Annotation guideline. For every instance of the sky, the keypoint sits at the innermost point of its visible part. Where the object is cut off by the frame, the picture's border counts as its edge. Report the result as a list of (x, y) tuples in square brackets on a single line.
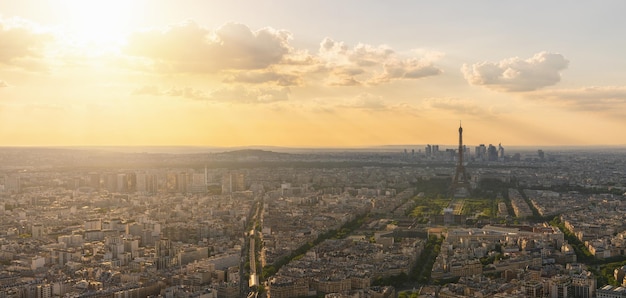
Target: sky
[(311, 73)]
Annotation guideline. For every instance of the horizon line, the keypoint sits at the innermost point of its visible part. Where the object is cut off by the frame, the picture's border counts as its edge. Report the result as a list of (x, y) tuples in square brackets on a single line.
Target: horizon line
[(305, 147)]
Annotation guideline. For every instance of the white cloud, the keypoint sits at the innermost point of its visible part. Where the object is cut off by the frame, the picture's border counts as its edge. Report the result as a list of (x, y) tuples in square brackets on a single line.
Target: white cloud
[(240, 94), (186, 92), (515, 74), (369, 102), (265, 57), (333, 52), (22, 45), (236, 94), (367, 55), (340, 80), (345, 76), (461, 107), (366, 64), (407, 69), (189, 48), (260, 77)]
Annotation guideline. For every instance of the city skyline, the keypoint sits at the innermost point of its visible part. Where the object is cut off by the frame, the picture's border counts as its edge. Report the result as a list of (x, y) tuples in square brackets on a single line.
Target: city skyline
[(310, 74)]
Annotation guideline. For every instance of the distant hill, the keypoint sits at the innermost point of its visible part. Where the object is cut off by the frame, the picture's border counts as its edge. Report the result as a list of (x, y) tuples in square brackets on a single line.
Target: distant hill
[(252, 154)]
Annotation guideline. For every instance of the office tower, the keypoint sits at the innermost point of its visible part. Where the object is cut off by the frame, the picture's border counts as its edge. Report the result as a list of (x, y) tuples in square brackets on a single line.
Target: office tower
[(152, 183), (481, 152), (232, 182), (171, 182), (492, 153), (110, 182), (183, 182), (164, 253), (141, 182), (198, 183), (145, 183), (460, 183), (239, 182), (122, 185), (94, 180), (131, 182)]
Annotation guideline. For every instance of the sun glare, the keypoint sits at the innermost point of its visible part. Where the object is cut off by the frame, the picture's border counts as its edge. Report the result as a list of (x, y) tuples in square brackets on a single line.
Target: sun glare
[(98, 23)]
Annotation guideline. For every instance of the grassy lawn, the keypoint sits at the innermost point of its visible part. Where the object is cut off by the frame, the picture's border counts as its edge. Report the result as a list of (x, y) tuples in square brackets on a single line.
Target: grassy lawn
[(488, 207), (484, 201), (425, 207)]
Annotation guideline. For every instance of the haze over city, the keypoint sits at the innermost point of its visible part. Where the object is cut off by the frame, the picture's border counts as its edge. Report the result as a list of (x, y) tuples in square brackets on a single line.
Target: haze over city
[(311, 74)]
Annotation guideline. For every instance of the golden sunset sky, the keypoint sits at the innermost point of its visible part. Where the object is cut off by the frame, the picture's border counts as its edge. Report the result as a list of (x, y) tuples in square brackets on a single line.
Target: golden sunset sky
[(311, 73)]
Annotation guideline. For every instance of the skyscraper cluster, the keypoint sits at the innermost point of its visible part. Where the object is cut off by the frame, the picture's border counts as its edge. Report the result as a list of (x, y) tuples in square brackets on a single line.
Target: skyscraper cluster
[(481, 153), (490, 153)]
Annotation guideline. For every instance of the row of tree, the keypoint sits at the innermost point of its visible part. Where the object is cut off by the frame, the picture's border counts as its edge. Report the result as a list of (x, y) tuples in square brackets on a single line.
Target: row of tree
[(271, 269)]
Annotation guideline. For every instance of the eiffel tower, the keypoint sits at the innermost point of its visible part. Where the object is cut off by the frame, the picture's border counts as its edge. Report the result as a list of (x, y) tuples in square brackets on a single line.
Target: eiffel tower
[(460, 187)]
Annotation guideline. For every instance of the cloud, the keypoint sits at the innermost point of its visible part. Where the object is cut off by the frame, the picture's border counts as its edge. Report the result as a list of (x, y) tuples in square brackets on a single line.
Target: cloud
[(240, 94), (3, 84), (186, 92), (265, 57), (600, 99), (236, 94), (338, 53), (343, 81), (367, 55), (459, 107), (517, 75), (333, 52), (366, 64), (364, 101), (189, 48), (300, 58), (260, 77), (408, 69), (345, 76), (369, 101), (22, 45)]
